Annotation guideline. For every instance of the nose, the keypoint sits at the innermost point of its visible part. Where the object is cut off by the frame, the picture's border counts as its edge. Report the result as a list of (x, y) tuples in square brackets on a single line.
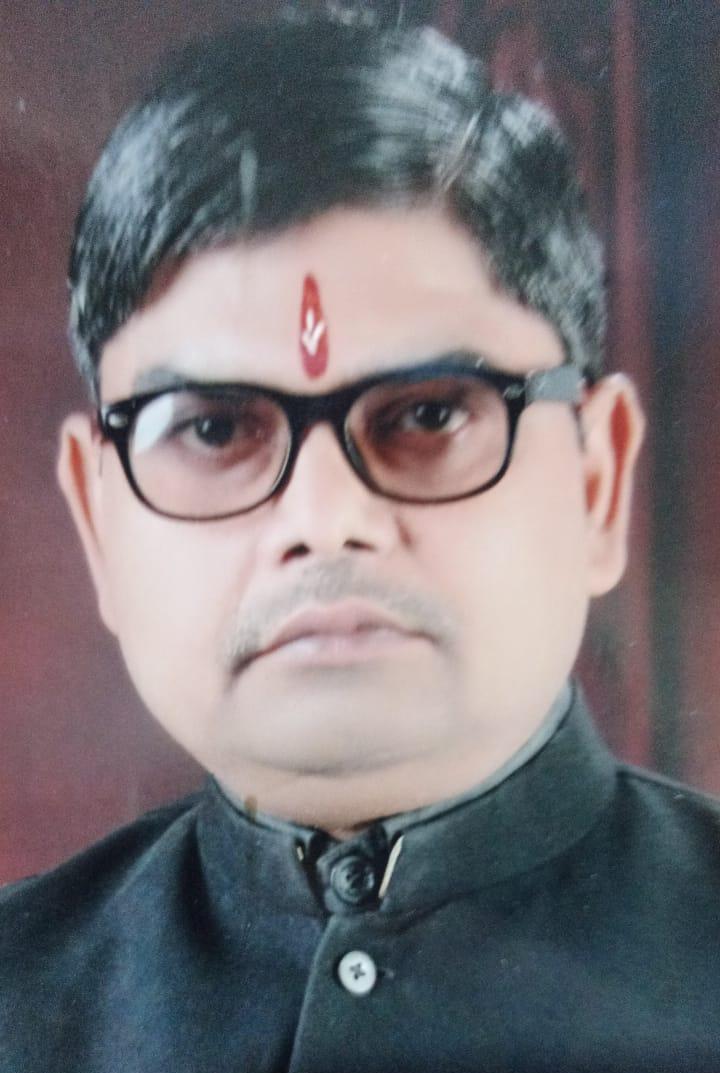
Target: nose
[(325, 509)]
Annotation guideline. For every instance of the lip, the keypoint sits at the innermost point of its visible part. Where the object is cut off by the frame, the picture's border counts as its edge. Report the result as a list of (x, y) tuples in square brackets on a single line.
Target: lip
[(337, 622)]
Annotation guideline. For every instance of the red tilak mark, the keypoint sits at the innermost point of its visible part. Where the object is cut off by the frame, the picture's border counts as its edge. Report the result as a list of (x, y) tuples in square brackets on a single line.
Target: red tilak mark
[(313, 330)]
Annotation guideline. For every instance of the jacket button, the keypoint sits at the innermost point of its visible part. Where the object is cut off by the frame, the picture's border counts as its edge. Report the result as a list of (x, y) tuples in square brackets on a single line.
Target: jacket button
[(357, 972), (353, 879)]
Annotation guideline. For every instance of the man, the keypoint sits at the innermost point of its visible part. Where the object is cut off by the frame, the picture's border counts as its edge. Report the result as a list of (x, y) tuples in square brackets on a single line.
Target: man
[(354, 476)]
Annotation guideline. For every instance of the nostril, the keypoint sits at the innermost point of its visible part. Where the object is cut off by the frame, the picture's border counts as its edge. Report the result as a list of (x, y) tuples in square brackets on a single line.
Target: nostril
[(297, 551), (300, 550)]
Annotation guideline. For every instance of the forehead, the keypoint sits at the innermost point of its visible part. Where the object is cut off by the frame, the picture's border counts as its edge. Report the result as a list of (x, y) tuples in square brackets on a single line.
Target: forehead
[(396, 286)]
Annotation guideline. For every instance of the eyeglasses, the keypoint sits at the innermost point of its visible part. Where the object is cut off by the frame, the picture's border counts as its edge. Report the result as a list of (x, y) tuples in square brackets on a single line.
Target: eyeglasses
[(431, 433)]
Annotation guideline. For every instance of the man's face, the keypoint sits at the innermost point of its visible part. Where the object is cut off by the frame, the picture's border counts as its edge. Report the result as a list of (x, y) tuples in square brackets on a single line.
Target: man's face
[(497, 585)]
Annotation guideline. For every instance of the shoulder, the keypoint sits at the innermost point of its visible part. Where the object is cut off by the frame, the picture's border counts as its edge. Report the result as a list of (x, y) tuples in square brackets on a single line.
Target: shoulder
[(41, 908), (669, 797), (670, 825)]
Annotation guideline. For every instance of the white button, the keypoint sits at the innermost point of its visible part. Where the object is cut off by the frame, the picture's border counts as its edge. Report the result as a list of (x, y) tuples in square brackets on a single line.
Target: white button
[(357, 972)]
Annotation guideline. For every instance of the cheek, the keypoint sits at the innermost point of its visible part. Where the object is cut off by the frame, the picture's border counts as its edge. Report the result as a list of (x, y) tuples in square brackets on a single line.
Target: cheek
[(172, 588), (512, 561)]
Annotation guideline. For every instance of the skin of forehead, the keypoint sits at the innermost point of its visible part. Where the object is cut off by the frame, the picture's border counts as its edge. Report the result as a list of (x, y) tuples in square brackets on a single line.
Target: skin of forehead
[(448, 271)]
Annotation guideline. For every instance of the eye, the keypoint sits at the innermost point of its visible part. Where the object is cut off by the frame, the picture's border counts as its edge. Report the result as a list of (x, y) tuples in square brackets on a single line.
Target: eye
[(201, 428), (217, 430), (228, 436), (435, 416)]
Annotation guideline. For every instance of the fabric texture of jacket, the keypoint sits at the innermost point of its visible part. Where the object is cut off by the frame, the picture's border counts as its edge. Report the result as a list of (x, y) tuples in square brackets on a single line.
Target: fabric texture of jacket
[(568, 919)]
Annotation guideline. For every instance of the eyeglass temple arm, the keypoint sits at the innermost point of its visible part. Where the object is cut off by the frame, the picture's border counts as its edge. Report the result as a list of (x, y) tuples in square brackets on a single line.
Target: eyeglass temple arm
[(560, 384)]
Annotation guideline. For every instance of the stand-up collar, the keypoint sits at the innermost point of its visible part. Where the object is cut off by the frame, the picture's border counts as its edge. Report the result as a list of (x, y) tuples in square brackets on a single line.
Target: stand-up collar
[(531, 811)]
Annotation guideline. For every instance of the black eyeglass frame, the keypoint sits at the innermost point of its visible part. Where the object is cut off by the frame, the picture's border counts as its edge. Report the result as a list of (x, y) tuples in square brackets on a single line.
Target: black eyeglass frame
[(562, 383)]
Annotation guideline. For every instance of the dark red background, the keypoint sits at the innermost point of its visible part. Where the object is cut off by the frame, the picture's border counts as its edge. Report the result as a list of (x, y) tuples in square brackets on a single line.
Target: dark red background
[(636, 85)]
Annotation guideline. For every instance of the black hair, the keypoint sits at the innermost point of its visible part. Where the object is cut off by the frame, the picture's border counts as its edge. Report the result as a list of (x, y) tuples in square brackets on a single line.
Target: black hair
[(271, 124)]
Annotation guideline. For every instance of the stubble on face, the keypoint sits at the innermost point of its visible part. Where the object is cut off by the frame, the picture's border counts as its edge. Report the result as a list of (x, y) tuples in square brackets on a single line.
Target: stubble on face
[(325, 582)]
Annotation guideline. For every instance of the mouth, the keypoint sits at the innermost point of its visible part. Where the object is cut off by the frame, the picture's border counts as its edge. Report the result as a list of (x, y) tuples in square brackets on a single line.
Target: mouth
[(340, 634)]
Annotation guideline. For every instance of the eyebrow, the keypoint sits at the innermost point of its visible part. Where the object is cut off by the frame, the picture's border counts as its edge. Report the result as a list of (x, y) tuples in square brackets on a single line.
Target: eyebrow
[(157, 378), (161, 377)]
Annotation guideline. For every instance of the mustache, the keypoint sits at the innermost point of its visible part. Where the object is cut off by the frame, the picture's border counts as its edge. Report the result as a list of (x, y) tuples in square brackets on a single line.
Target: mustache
[(330, 582)]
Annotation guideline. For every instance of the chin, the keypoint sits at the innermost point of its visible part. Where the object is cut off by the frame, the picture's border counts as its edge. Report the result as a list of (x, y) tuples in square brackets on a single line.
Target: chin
[(322, 736), (327, 751), (336, 722)]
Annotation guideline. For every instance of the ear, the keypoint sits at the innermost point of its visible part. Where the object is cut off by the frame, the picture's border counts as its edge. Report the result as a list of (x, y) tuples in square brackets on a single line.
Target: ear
[(613, 426), (80, 478)]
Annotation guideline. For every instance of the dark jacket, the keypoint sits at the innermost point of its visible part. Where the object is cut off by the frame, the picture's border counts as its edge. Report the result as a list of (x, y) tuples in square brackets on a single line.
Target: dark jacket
[(566, 920)]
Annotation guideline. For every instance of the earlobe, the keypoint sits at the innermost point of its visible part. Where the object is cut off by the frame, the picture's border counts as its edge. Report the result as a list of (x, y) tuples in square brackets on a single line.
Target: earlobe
[(613, 426), (79, 476)]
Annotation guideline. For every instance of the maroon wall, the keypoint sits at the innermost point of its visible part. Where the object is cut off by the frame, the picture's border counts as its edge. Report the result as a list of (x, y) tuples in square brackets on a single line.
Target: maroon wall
[(78, 755)]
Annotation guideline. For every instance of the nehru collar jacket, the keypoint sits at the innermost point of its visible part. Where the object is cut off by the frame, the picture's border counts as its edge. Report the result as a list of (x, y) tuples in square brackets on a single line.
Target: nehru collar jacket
[(563, 918)]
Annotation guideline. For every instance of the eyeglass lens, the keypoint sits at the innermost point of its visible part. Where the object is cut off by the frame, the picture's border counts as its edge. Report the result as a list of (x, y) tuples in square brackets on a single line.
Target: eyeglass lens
[(200, 455)]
